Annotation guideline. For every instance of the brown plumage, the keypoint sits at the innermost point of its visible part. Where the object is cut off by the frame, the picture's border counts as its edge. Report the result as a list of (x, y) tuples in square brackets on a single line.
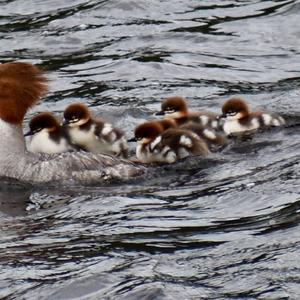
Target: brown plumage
[(238, 119), (172, 138), (175, 103), (93, 134), (77, 111), (149, 130), (167, 123), (235, 105), (166, 146), (21, 86), (44, 120), (213, 139)]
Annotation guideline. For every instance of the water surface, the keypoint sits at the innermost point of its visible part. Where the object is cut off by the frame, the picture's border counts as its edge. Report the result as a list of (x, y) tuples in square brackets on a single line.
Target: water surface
[(226, 227)]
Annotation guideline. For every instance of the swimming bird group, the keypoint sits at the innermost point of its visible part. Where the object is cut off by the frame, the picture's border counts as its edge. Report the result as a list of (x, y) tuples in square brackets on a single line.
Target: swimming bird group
[(183, 132), (89, 149)]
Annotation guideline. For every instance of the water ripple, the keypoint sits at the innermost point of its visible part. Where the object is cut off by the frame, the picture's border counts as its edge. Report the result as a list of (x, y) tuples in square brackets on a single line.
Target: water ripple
[(225, 227)]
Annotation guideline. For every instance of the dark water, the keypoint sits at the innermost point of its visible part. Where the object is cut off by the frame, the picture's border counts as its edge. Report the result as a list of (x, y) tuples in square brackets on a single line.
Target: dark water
[(222, 228)]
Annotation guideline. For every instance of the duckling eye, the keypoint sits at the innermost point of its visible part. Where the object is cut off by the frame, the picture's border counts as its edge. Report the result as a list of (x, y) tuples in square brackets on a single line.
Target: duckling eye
[(74, 119), (37, 130), (231, 113), (170, 110)]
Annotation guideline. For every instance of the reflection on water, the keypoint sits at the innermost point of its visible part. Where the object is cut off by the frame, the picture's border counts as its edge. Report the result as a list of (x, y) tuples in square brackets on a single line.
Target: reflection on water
[(226, 227)]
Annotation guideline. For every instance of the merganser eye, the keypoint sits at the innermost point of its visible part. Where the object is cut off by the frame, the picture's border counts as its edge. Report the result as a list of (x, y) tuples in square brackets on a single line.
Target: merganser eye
[(37, 130), (231, 113), (169, 110)]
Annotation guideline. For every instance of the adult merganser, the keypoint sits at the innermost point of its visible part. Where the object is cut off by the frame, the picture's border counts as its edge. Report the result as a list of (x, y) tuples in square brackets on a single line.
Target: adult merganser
[(21, 86)]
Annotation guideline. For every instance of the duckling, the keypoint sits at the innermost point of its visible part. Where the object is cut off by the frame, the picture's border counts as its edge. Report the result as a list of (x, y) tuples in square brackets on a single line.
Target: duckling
[(176, 108), (238, 119), (47, 135), (94, 135), (166, 146)]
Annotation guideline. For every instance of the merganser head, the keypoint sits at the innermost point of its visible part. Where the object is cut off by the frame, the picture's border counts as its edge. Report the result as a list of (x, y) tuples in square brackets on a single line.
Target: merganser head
[(147, 132), (235, 109), (43, 121), (174, 107), (21, 86), (76, 114)]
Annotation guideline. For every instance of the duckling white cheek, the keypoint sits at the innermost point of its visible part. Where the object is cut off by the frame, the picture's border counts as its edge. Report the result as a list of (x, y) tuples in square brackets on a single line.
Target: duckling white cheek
[(174, 115), (72, 124), (235, 117), (144, 141)]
